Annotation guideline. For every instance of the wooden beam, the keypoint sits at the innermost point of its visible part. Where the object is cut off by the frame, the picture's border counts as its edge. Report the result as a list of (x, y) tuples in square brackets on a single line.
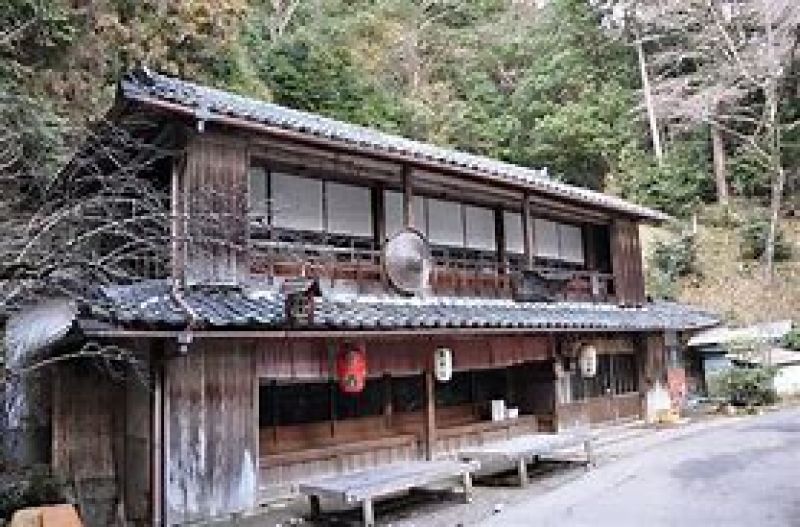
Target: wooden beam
[(408, 197), (399, 334), (527, 232), (430, 409)]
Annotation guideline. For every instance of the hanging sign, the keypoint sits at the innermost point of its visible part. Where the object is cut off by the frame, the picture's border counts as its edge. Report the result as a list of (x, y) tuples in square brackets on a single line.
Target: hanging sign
[(351, 368), (443, 364), (588, 360)]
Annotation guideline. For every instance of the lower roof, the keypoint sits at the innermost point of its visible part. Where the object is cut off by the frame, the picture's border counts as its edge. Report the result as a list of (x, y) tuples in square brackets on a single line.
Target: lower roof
[(151, 305)]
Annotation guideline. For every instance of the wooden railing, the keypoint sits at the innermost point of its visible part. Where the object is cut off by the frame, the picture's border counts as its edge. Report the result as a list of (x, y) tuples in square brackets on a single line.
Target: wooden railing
[(357, 263)]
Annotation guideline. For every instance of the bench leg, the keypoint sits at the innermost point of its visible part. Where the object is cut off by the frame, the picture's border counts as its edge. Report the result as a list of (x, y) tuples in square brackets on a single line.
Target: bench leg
[(522, 470), (368, 513), (587, 447), (466, 478), (313, 502)]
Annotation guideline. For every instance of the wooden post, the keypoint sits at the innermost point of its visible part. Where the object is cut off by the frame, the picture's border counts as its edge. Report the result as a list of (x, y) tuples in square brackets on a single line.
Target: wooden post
[(500, 243), (527, 232), (388, 408), (368, 512), (466, 479), (164, 460), (313, 502), (378, 216), (408, 198), (522, 471), (430, 410)]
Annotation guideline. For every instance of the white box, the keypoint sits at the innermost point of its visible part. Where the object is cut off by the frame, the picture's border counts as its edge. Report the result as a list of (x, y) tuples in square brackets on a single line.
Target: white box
[(498, 409)]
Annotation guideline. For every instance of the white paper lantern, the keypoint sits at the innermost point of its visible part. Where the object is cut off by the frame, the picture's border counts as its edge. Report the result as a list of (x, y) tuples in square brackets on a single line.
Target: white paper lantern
[(443, 364), (588, 360)]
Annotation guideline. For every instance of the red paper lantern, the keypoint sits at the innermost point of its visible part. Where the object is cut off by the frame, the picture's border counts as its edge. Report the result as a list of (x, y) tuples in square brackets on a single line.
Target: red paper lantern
[(351, 368)]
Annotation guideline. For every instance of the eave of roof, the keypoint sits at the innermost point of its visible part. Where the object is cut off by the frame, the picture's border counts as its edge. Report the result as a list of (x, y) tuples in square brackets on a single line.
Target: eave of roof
[(213, 105), (150, 306)]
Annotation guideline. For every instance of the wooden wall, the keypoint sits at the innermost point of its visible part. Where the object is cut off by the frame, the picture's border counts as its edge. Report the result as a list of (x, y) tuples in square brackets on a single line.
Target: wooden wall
[(626, 262), (212, 197), (210, 427), (309, 359), (101, 442)]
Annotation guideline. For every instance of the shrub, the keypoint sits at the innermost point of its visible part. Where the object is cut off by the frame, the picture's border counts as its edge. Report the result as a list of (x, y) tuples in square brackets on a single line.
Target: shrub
[(753, 240), (792, 339), (745, 386), (670, 260)]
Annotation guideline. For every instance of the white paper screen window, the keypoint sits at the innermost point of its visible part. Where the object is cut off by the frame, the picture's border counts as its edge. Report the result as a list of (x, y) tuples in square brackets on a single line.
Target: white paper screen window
[(393, 205), (349, 209), (445, 224), (258, 190), (480, 228), (512, 229), (571, 243), (296, 202), (546, 239)]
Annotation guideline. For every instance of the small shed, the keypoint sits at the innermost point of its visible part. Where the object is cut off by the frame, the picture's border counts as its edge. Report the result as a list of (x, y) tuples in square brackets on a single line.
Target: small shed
[(711, 353)]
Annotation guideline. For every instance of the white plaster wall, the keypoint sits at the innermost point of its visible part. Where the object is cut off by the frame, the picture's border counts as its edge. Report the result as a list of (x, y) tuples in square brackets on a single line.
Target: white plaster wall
[(787, 380)]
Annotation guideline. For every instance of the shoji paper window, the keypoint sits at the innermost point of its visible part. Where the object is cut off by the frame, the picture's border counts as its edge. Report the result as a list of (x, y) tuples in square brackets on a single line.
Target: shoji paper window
[(349, 209), (571, 243), (393, 204), (296, 202), (258, 190), (479, 228), (445, 224), (546, 239), (512, 228)]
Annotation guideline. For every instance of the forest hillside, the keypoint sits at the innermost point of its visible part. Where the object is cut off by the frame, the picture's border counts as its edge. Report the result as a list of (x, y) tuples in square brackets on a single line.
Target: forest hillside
[(610, 95)]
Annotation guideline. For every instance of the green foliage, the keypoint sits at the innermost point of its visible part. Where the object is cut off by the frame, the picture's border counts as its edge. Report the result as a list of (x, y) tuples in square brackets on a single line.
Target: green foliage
[(748, 175), (304, 74), (745, 386), (678, 186), (753, 235), (792, 339), (670, 260)]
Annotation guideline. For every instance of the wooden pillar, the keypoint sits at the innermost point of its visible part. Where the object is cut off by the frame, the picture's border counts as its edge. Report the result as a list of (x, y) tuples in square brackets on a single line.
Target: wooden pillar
[(527, 231), (430, 410), (388, 407), (157, 451), (408, 197), (500, 235), (378, 216)]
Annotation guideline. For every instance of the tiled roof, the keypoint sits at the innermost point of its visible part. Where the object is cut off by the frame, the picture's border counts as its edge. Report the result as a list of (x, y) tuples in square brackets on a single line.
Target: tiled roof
[(151, 305), (209, 103)]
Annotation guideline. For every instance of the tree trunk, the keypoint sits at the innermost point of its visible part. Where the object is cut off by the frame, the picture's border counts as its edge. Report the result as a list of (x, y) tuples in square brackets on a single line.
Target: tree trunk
[(720, 171), (774, 218), (648, 102)]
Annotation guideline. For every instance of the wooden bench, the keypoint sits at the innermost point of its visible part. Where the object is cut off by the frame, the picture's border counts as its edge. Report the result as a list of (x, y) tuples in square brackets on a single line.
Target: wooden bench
[(365, 486), (519, 451)]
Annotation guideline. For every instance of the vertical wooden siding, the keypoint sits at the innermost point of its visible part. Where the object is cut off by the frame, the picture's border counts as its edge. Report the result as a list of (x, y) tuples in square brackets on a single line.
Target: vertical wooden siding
[(101, 442), (626, 261), (214, 201), (211, 438)]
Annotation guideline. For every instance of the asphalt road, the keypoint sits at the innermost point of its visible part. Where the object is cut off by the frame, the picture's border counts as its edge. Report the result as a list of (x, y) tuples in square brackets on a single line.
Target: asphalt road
[(742, 474)]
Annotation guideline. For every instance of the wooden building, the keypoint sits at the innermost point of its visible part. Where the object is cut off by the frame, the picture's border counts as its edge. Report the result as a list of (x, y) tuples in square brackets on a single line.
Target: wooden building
[(277, 271)]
